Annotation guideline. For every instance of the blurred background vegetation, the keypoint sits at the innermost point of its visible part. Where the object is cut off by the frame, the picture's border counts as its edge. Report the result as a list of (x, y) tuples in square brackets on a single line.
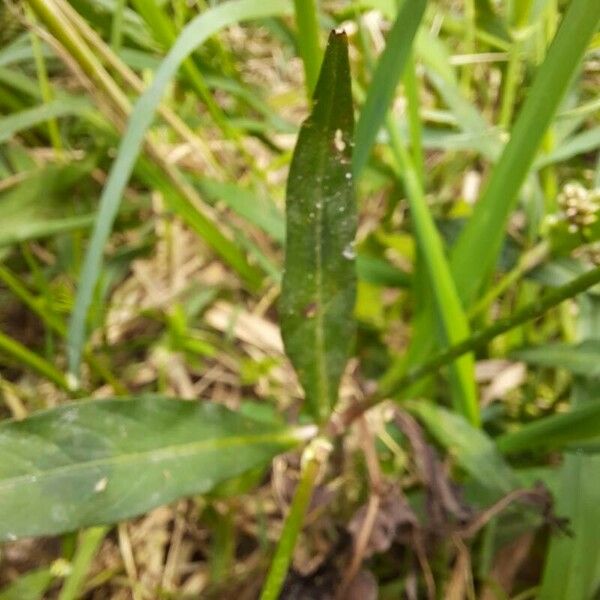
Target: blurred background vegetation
[(184, 298)]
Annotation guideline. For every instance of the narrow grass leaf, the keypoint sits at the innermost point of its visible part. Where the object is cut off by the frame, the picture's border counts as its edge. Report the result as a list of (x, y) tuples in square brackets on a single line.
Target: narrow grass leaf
[(555, 431), (584, 142), (307, 21), (572, 566), (386, 77), (257, 210), (454, 326), (581, 359), (319, 283), (194, 34), (102, 461), (479, 244), (31, 360), (380, 272), (31, 117), (46, 228), (87, 548)]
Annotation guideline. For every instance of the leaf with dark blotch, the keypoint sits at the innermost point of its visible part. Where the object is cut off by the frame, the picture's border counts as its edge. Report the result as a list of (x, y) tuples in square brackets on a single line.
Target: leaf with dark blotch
[(106, 460), (319, 283)]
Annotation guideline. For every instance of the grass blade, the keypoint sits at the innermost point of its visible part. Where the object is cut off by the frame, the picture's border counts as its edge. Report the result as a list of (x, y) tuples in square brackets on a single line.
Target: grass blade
[(307, 20), (31, 117), (478, 246), (29, 586), (73, 466), (386, 77), (451, 316), (195, 33), (582, 359), (556, 431), (319, 284), (87, 548), (33, 361)]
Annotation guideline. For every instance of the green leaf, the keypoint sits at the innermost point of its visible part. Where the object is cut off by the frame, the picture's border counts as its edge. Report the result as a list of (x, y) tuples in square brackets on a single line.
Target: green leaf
[(102, 461), (307, 20), (386, 78), (581, 359), (555, 431), (572, 565), (472, 449), (31, 117), (319, 283), (453, 323)]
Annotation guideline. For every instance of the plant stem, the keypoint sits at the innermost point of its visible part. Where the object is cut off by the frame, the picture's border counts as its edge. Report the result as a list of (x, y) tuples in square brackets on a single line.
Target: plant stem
[(394, 383), (314, 456)]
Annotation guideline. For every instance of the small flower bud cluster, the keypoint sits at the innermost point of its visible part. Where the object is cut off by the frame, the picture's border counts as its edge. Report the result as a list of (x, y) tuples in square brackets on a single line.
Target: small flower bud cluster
[(580, 207)]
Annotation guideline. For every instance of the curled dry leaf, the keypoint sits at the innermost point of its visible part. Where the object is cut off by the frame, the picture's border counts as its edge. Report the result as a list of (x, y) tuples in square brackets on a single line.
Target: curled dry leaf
[(443, 497)]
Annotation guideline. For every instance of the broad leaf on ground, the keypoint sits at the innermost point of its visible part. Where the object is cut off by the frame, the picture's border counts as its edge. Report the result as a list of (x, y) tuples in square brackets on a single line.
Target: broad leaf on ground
[(102, 461)]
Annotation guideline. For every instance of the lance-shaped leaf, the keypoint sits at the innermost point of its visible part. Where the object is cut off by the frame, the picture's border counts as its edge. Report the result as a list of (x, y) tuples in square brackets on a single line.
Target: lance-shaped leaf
[(105, 460), (319, 283)]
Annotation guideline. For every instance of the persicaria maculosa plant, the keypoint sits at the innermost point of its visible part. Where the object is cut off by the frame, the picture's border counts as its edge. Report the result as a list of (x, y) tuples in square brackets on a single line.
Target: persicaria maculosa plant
[(416, 297)]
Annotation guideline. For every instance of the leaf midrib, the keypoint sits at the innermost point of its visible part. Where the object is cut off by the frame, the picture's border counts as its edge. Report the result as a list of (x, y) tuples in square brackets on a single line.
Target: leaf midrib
[(323, 400)]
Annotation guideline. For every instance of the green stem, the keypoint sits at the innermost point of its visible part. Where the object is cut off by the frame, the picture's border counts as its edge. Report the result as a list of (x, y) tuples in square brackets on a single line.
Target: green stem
[(307, 20), (314, 455), (395, 382)]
